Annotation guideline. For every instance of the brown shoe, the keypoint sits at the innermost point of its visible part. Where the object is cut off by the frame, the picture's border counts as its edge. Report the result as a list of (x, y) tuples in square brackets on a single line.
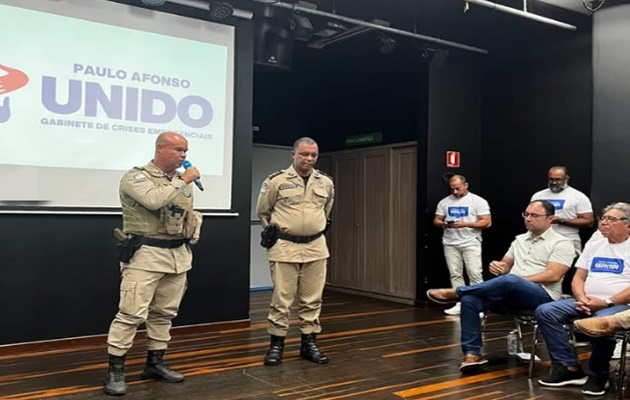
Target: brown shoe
[(471, 363), (442, 296), (594, 327)]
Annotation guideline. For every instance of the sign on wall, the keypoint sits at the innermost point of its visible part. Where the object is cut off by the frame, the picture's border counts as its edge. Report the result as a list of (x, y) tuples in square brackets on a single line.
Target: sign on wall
[(452, 159)]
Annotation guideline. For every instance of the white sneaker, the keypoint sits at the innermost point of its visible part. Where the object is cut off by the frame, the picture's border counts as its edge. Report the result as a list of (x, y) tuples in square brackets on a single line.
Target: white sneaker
[(455, 310)]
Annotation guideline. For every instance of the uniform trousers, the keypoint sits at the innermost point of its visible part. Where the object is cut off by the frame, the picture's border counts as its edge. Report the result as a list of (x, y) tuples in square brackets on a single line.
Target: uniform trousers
[(146, 297), (302, 280)]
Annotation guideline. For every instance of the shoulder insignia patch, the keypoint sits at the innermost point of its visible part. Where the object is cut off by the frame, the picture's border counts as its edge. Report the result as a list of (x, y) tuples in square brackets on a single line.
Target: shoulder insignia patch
[(277, 173), (140, 177), (264, 188)]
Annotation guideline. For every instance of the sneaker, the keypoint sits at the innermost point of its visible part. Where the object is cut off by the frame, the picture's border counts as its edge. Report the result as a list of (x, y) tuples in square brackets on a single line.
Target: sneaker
[(455, 310), (471, 363), (596, 385), (561, 376)]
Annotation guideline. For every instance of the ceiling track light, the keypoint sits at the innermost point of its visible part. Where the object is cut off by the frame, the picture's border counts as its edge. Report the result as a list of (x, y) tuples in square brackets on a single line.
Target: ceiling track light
[(386, 45), (153, 3), (220, 10)]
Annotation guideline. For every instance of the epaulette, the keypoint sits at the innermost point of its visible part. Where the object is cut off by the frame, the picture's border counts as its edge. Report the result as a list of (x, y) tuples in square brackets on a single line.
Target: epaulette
[(270, 177), (325, 174)]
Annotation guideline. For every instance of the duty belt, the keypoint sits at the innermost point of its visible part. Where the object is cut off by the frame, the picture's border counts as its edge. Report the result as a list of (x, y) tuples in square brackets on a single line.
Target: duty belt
[(298, 239), (162, 243)]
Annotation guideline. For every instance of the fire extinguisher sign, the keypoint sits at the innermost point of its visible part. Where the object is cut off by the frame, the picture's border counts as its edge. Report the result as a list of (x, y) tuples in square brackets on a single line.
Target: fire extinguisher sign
[(452, 159)]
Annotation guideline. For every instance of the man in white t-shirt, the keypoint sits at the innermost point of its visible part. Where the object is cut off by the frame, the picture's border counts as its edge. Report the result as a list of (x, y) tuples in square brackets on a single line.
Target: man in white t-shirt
[(462, 216), (574, 210), (601, 287)]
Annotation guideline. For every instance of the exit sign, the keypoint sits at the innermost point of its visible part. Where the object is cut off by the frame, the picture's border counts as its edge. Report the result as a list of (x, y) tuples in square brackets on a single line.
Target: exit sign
[(365, 139)]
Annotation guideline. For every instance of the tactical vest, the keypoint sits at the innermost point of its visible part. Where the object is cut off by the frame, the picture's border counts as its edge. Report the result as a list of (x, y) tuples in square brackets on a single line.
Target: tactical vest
[(142, 221)]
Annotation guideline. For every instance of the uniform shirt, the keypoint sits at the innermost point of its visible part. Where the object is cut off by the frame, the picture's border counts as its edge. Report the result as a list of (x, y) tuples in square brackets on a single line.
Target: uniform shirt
[(608, 266), (568, 203), (467, 208), (531, 256), (298, 209), (137, 190)]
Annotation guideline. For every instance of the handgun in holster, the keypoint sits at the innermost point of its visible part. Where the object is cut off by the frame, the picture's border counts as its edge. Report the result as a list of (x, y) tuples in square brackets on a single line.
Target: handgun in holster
[(127, 245), (328, 223), (269, 236)]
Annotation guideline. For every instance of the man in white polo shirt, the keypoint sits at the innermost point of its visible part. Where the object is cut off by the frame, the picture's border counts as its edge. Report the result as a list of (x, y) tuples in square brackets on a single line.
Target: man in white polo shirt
[(462, 215), (574, 210), (529, 275)]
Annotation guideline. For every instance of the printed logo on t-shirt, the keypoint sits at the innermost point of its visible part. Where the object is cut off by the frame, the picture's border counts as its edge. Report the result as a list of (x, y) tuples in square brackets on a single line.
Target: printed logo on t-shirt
[(605, 264), (457, 212), (557, 203)]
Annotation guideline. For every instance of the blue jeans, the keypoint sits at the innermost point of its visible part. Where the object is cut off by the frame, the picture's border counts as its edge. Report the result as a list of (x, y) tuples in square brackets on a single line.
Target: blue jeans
[(552, 316), (506, 291)]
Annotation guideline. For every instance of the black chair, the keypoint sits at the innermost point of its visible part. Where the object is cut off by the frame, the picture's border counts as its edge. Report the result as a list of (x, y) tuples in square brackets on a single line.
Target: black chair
[(527, 318), (620, 375)]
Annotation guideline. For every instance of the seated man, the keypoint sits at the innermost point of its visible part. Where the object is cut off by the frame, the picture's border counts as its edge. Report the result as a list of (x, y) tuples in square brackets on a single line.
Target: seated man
[(530, 274), (601, 286)]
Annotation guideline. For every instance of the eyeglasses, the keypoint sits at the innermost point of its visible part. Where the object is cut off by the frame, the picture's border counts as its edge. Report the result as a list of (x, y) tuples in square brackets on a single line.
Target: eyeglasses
[(557, 179), (525, 214), (611, 219)]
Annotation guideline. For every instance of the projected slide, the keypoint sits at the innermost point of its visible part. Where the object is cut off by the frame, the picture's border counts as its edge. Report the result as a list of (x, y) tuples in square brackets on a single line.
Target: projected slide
[(85, 88)]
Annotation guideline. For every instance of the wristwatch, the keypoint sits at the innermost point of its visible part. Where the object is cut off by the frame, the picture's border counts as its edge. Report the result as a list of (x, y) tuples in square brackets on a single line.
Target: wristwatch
[(609, 302), (562, 221)]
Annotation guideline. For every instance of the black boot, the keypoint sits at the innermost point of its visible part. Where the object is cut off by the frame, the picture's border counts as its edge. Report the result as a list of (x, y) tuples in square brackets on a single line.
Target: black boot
[(276, 347), (310, 351), (114, 382), (156, 369)]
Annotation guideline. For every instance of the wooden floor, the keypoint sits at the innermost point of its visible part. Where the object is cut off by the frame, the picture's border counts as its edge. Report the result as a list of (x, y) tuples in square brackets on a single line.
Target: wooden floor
[(378, 350)]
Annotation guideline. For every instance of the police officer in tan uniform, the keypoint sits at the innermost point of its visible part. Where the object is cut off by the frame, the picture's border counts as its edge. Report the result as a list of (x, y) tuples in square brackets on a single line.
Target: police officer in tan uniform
[(294, 205), (159, 221)]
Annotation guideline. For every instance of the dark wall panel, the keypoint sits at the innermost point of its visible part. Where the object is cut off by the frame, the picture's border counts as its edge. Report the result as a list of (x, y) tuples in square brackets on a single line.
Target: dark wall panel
[(611, 116), (536, 114), (454, 107), (342, 90)]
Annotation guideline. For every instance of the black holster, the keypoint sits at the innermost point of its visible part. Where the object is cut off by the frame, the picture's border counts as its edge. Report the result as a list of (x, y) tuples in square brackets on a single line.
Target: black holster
[(127, 248), (269, 236)]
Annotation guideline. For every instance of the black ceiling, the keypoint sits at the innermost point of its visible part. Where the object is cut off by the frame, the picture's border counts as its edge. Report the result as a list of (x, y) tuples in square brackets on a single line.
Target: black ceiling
[(446, 19)]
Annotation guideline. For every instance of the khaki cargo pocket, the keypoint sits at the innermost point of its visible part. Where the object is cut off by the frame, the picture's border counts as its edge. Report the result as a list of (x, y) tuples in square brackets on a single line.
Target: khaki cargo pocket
[(321, 196), (128, 297)]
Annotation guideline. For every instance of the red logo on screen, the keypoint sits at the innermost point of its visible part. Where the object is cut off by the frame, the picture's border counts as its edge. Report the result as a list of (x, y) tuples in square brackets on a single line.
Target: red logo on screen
[(12, 80)]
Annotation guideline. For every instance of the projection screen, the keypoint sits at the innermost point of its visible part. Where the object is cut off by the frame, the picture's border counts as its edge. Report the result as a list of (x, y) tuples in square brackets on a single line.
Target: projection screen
[(87, 85)]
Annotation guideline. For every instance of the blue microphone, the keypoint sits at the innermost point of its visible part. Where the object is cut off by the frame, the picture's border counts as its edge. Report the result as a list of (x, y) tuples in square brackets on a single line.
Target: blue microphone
[(186, 164)]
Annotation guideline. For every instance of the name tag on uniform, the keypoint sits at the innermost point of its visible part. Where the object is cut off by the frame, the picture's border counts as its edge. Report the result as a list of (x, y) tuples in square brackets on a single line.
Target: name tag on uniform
[(287, 186), (457, 212), (557, 203), (605, 264)]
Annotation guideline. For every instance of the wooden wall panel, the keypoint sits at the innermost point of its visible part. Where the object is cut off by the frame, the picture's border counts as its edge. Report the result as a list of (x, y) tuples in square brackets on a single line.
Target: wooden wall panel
[(404, 206)]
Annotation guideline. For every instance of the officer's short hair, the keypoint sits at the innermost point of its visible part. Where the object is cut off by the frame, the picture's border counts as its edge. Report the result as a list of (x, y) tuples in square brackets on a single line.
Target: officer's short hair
[(304, 139)]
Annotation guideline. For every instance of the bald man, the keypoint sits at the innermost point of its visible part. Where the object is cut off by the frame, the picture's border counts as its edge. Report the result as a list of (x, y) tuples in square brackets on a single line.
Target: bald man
[(462, 216), (160, 224)]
